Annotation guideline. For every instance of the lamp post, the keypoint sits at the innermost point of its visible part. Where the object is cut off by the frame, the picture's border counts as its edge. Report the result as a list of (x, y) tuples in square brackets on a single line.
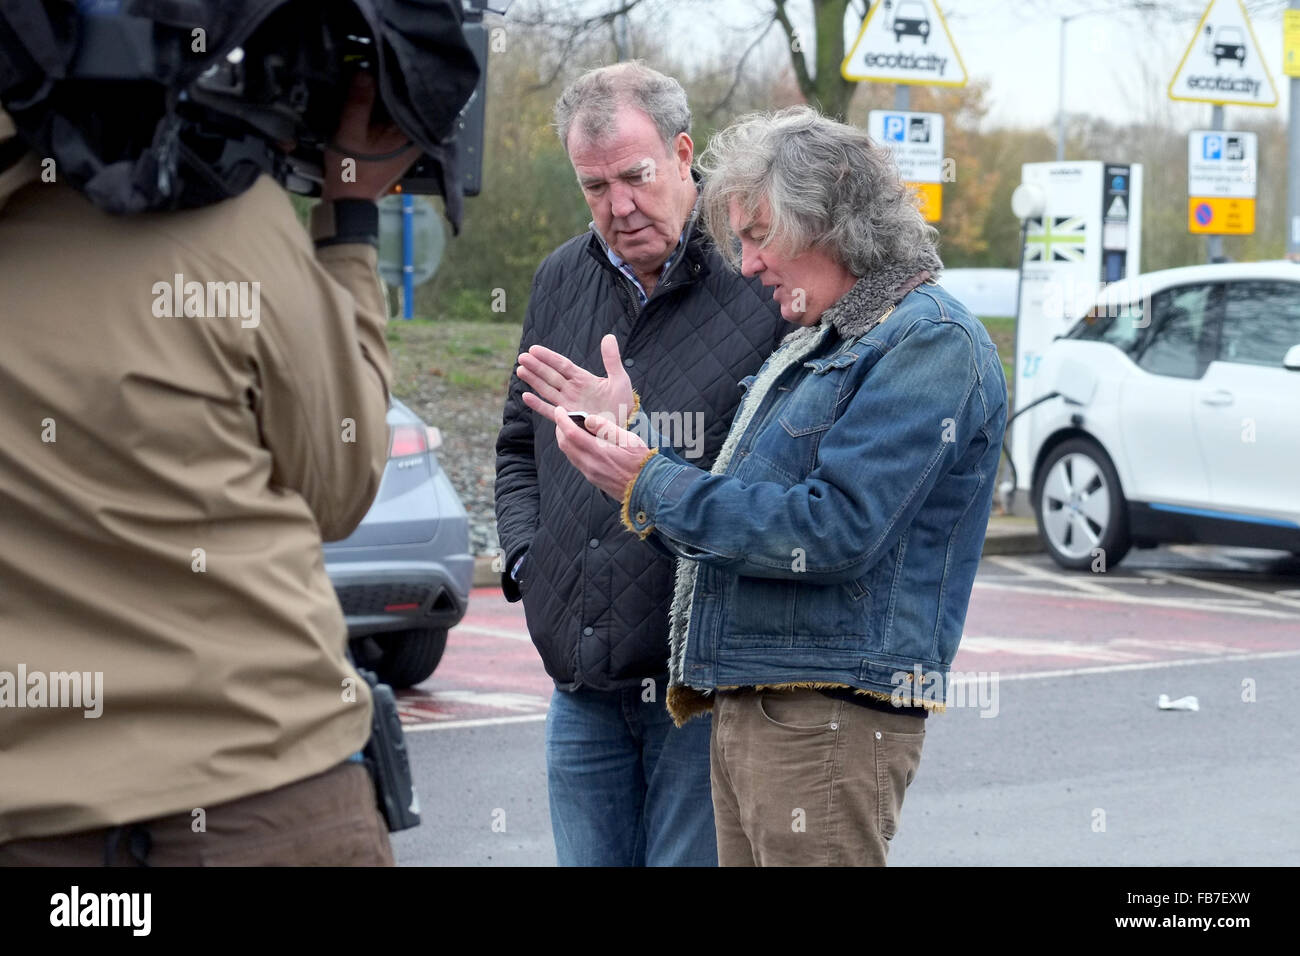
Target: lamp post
[(1065, 19), (1060, 94)]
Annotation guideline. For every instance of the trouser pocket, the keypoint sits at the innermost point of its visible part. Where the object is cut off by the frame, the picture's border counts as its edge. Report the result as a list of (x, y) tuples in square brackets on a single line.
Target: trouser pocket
[(898, 754)]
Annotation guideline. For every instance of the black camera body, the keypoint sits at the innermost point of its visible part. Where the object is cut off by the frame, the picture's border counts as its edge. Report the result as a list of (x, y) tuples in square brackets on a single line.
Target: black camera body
[(150, 106)]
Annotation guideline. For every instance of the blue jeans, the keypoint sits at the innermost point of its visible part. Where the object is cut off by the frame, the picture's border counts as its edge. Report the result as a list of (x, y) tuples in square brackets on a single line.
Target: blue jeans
[(626, 787)]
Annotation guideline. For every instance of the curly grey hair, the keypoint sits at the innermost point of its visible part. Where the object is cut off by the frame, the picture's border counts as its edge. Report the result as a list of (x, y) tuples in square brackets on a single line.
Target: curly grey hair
[(593, 100), (826, 184)]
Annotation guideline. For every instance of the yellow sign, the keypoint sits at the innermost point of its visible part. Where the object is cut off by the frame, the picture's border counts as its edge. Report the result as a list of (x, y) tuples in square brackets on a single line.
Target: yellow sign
[(908, 42), (1291, 42), (1223, 63), (929, 196), (1219, 216)]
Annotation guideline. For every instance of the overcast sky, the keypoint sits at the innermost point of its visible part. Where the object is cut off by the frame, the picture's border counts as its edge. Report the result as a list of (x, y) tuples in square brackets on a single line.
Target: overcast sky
[(1015, 45)]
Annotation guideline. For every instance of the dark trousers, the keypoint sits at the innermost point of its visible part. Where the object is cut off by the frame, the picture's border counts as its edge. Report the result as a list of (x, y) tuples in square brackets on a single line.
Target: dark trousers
[(327, 820)]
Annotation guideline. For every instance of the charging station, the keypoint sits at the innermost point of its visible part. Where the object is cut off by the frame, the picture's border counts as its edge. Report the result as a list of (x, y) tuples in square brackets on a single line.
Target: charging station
[(1082, 230)]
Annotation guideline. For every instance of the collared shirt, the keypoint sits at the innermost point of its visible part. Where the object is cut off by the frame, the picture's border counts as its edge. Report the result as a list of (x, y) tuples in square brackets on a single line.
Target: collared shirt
[(628, 271)]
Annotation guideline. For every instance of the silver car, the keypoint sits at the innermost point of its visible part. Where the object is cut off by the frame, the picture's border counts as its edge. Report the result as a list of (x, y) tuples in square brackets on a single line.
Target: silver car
[(403, 576)]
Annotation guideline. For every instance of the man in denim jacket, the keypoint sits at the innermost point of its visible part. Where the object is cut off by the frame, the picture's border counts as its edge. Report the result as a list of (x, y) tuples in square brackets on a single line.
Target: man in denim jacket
[(829, 555)]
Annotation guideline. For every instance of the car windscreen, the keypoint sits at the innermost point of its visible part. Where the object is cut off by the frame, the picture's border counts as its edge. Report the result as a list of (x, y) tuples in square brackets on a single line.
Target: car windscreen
[(1120, 325)]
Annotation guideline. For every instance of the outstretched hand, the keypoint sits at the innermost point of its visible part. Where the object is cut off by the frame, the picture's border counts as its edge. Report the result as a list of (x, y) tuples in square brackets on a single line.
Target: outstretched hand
[(608, 456), (559, 381)]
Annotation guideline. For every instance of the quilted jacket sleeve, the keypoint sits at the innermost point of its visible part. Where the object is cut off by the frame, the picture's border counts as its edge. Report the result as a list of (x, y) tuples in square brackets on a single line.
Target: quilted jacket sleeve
[(517, 498)]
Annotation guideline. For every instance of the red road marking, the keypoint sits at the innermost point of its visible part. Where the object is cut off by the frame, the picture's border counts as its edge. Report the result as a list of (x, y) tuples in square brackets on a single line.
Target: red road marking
[(491, 669), (482, 674), (1058, 631)]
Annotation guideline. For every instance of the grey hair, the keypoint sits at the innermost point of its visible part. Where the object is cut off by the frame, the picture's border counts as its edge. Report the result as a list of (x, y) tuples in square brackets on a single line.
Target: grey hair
[(593, 99), (826, 185)]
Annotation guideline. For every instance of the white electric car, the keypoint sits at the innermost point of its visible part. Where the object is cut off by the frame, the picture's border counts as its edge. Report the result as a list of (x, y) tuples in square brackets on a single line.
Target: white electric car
[(1178, 416)]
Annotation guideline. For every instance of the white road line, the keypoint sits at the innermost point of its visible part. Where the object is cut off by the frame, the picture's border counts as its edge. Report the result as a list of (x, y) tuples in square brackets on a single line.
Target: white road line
[(1148, 665), (1117, 597), (1041, 647), (1036, 675), (1200, 552), (476, 722), (491, 632), (1029, 571), (1230, 589)]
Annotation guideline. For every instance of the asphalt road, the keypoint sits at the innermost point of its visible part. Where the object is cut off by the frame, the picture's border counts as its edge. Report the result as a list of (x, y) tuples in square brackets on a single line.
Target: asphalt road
[(1066, 759)]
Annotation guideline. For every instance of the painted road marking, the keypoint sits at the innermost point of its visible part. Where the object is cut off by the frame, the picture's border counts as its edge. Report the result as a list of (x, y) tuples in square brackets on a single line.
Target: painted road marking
[(1117, 597), (481, 722), (1030, 571), (1199, 552), (1146, 666), (956, 682), (1024, 623), (464, 628), (1232, 589), (1120, 649)]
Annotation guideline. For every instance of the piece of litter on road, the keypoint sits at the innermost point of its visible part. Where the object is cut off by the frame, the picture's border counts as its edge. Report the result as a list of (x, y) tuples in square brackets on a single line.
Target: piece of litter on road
[(1182, 703)]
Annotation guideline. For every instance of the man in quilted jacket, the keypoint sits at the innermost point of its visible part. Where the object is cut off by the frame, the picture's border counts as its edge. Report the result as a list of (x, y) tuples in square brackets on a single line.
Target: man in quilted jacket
[(642, 295)]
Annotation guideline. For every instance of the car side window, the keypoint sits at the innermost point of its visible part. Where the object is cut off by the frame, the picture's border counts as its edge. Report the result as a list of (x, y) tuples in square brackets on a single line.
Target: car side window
[(1183, 332), (1261, 322), (1120, 326)]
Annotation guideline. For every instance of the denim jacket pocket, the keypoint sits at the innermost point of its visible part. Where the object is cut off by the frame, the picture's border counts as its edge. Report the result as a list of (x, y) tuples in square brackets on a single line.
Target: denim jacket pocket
[(811, 408)]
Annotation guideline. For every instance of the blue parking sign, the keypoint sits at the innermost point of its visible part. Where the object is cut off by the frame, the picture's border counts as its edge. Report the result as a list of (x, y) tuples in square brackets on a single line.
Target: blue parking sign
[(1212, 147), (895, 127)]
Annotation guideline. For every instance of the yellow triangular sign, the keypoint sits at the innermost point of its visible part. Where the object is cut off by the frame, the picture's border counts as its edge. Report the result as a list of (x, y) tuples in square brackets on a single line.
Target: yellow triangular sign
[(905, 41), (1223, 63)]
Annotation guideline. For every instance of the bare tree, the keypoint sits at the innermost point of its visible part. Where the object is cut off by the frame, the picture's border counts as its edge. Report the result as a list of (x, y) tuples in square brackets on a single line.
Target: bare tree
[(823, 85), (576, 25)]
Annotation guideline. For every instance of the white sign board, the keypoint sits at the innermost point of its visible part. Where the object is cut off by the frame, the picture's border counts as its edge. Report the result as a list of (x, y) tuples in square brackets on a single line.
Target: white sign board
[(1223, 64), (915, 139), (905, 41), (1221, 163)]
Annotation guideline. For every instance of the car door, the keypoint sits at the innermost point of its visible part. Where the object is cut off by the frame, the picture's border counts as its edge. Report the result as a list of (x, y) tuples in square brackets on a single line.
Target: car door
[(1247, 406), (1157, 420)]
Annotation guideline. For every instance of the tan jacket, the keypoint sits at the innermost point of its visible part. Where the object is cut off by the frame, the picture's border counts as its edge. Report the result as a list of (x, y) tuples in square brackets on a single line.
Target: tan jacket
[(165, 484)]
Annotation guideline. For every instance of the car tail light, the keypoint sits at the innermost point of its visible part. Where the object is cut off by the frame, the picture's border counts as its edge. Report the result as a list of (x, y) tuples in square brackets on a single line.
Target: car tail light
[(408, 440), (434, 436)]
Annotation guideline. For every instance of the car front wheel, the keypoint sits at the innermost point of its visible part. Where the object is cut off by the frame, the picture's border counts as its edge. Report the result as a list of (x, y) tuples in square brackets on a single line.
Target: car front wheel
[(1081, 511)]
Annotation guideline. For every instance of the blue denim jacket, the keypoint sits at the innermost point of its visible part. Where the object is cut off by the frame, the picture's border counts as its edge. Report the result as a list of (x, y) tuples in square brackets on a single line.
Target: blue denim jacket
[(841, 545)]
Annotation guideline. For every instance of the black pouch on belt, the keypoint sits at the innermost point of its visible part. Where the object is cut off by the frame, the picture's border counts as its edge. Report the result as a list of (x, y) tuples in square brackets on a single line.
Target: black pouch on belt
[(386, 758)]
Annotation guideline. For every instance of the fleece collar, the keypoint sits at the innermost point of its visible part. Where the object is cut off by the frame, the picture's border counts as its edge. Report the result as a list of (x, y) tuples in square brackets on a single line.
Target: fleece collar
[(860, 309)]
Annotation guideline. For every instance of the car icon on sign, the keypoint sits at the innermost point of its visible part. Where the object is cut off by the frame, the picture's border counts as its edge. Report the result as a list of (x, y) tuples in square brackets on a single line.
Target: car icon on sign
[(1229, 44), (911, 19)]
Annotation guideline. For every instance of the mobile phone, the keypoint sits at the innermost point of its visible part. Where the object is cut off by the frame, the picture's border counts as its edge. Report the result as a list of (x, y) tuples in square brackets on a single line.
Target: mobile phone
[(579, 419)]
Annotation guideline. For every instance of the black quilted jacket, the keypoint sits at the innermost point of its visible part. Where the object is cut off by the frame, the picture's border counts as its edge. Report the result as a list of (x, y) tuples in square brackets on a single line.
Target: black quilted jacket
[(595, 597)]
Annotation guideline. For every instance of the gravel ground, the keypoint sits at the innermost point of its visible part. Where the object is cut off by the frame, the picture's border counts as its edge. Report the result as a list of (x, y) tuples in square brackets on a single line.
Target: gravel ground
[(454, 376), (468, 456)]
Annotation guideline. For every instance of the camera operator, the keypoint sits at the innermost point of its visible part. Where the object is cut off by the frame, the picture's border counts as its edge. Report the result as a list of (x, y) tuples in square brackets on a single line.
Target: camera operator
[(189, 403)]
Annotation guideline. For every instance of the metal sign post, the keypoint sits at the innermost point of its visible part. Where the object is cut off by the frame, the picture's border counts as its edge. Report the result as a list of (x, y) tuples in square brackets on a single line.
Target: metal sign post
[(411, 243), (1291, 59)]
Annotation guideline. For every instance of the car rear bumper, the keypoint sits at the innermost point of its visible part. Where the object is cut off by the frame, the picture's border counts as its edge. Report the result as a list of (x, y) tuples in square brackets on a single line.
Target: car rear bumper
[(402, 591)]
